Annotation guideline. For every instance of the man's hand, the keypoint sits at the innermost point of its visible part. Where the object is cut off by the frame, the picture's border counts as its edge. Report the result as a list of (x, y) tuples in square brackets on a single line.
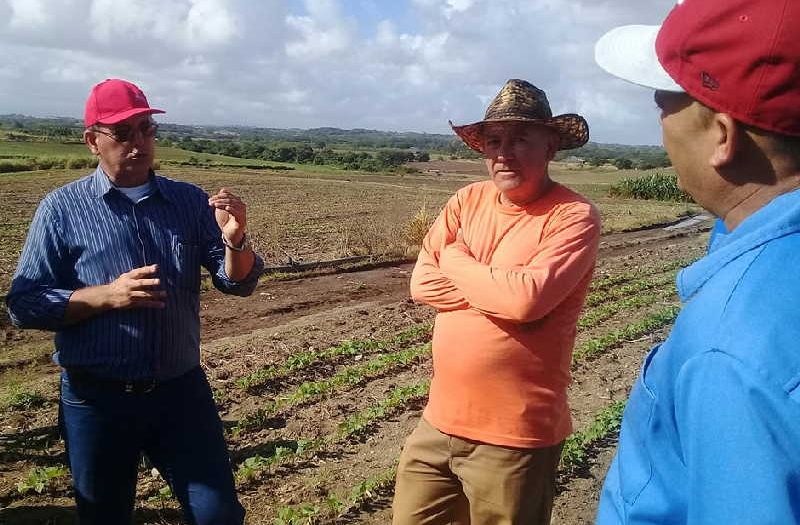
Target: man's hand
[(231, 215), (136, 289)]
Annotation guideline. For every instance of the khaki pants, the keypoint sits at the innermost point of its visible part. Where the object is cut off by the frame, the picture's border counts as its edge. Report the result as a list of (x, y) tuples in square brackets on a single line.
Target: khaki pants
[(445, 480)]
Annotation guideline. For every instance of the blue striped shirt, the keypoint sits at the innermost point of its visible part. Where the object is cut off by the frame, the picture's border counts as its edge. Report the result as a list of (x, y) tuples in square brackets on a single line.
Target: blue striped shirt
[(88, 233)]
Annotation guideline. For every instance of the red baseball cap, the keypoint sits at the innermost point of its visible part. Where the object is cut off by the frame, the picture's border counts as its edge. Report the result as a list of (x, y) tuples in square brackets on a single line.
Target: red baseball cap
[(740, 57), (114, 100)]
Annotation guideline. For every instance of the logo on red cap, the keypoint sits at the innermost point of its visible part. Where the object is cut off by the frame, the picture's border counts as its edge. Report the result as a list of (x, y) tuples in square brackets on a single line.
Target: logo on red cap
[(709, 81), (753, 48)]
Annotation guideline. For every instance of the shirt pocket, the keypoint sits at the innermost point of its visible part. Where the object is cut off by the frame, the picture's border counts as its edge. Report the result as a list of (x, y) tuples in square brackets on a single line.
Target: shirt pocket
[(635, 465), (185, 271)]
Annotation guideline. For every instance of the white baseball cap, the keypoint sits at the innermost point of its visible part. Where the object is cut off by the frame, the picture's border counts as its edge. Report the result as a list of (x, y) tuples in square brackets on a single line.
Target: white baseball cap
[(629, 52)]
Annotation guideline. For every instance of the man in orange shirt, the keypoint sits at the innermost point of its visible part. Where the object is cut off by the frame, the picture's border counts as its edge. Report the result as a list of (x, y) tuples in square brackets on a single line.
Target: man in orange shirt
[(507, 265)]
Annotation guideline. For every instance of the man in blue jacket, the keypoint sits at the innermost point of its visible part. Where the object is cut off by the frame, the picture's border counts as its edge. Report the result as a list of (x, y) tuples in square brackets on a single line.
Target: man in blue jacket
[(711, 432), (112, 265)]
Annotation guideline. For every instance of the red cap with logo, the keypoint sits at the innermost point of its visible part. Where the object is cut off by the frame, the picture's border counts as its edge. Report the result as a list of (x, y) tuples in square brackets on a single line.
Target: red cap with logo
[(740, 57), (115, 100)]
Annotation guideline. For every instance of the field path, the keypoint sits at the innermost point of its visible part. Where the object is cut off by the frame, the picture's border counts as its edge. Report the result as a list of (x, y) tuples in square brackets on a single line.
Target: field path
[(279, 302)]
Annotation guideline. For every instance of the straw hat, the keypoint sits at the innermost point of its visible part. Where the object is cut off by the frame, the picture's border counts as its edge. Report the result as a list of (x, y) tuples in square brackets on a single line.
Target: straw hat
[(521, 101)]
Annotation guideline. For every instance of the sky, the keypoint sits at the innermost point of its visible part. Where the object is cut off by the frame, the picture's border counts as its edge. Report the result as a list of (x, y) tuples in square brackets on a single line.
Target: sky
[(397, 65)]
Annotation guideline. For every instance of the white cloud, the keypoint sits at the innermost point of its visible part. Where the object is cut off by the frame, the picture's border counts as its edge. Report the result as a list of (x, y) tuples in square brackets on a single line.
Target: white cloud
[(210, 24), (457, 6), (27, 14), (322, 34), (408, 65)]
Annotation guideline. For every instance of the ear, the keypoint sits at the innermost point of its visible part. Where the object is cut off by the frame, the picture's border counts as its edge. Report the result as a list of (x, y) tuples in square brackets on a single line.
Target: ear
[(726, 140), (90, 139), (552, 145)]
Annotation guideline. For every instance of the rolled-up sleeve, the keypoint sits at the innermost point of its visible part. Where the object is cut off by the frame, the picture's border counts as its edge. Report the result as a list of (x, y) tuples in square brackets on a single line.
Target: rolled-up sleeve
[(36, 298)]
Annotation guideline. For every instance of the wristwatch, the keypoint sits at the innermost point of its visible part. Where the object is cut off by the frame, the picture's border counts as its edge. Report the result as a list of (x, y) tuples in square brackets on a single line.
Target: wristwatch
[(244, 244)]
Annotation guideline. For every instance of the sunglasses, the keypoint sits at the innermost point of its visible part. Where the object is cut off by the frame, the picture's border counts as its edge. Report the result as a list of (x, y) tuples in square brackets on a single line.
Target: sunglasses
[(125, 133)]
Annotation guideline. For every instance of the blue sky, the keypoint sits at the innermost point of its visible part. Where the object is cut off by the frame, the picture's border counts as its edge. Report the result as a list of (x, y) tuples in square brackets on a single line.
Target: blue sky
[(405, 65), (371, 12)]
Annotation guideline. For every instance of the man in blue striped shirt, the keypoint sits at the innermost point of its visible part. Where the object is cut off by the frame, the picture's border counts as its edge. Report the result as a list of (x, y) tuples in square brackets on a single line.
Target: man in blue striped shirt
[(112, 265)]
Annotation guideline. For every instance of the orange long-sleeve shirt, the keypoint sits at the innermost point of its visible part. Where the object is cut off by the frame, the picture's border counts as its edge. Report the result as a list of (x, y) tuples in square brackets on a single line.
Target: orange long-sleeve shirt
[(508, 284)]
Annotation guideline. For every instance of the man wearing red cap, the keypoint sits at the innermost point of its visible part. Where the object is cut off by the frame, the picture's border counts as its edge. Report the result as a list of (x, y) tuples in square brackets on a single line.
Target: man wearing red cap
[(711, 432), (112, 265)]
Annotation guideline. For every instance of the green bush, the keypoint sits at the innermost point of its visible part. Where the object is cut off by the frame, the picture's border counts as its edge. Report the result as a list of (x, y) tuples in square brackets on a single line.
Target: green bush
[(46, 163), (657, 186), (9, 166), (81, 162)]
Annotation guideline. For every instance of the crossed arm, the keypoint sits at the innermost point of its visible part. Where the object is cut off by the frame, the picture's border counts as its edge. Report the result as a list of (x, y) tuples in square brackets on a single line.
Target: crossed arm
[(448, 277)]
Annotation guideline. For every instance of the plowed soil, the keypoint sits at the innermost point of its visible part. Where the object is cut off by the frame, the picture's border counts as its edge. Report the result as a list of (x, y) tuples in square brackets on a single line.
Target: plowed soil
[(286, 318)]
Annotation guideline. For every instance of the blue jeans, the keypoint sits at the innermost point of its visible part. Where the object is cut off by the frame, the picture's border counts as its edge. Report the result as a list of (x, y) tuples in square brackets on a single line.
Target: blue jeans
[(176, 425)]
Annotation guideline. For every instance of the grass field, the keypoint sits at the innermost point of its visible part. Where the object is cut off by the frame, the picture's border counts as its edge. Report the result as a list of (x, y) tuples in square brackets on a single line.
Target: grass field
[(316, 214), (319, 379)]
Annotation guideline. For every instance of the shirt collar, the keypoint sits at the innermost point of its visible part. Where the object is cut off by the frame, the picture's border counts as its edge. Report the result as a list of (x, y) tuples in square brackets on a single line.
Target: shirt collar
[(103, 185), (778, 218), (164, 188)]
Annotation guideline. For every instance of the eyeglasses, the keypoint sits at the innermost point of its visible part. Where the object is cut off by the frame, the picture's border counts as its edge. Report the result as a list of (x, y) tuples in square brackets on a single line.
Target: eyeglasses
[(125, 133)]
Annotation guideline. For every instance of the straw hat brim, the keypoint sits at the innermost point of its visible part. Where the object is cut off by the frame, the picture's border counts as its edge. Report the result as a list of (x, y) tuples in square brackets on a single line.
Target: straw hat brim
[(572, 129)]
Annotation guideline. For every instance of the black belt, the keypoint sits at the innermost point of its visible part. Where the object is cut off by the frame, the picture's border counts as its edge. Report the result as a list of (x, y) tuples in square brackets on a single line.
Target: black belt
[(137, 386)]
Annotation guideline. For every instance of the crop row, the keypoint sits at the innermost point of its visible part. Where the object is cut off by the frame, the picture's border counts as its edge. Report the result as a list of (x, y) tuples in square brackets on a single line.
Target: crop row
[(303, 360), (574, 455), (598, 345), (576, 447), (345, 378), (604, 296), (336, 505), (353, 426), (595, 316), (612, 280), (350, 376)]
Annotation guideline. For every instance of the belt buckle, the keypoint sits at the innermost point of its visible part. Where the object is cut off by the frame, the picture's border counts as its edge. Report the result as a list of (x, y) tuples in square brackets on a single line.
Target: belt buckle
[(139, 387)]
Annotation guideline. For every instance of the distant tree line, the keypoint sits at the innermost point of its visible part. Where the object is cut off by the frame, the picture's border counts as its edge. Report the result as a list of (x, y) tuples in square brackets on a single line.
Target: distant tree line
[(319, 137), (383, 159), (351, 149), (622, 156), (21, 128)]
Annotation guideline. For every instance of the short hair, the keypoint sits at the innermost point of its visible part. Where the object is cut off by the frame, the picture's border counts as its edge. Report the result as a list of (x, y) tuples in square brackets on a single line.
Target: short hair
[(787, 146)]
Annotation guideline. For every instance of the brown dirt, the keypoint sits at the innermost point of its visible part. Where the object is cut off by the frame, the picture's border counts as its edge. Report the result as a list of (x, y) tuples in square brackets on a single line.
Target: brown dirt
[(279, 302), (281, 318)]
